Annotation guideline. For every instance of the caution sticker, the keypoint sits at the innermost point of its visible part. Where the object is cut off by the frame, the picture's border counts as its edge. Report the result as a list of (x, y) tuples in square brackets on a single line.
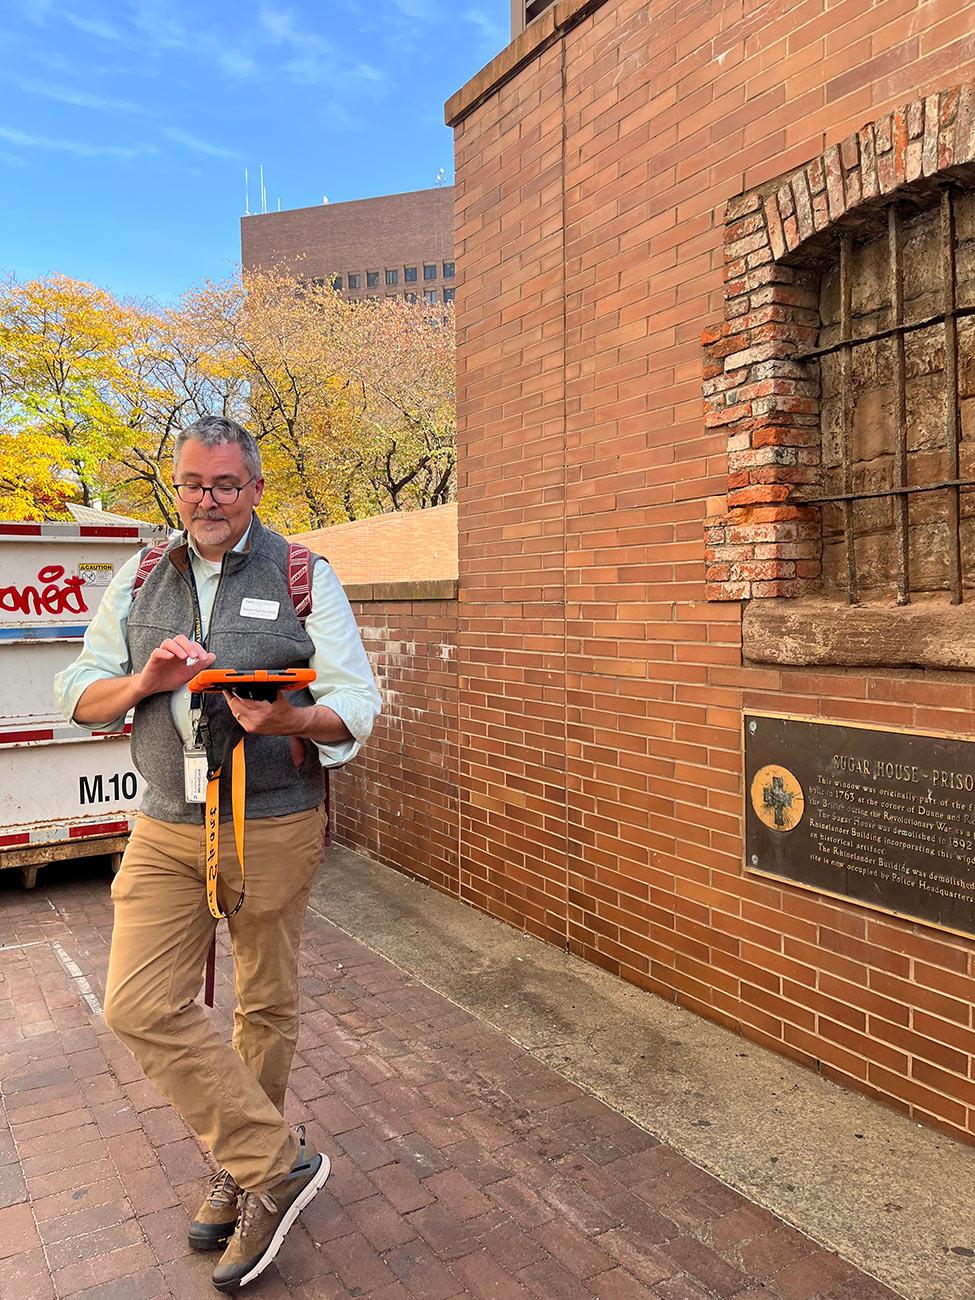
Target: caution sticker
[(96, 573)]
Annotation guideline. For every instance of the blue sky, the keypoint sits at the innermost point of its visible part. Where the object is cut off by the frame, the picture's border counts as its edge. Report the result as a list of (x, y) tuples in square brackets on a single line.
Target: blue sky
[(126, 125)]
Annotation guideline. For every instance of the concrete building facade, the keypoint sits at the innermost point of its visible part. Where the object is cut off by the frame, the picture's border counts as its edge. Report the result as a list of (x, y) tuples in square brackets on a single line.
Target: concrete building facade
[(395, 246)]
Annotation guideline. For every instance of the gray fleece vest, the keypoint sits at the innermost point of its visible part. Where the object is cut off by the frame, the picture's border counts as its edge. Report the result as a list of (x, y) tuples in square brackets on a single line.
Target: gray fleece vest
[(163, 607)]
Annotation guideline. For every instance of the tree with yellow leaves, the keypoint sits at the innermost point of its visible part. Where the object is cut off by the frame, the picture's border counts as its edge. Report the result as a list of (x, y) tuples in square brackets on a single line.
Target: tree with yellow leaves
[(33, 480), (67, 372), (401, 358), (351, 402)]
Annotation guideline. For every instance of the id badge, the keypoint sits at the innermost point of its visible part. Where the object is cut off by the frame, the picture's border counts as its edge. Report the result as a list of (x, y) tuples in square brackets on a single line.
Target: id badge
[(195, 766)]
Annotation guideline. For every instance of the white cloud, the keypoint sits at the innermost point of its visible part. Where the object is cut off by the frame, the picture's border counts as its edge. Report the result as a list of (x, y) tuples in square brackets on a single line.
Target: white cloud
[(36, 11), (279, 24), (197, 145), (80, 148), (494, 35), (418, 10), (235, 63), (93, 26), (79, 98), (161, 29)]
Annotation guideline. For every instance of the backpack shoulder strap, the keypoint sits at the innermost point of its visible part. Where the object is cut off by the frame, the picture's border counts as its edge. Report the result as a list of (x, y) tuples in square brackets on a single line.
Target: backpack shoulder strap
[(149, 561), (300, 564)]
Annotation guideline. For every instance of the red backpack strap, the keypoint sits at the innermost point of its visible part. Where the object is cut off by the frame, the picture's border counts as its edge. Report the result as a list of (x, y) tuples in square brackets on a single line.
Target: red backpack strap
[(148, 562), (300, 564)]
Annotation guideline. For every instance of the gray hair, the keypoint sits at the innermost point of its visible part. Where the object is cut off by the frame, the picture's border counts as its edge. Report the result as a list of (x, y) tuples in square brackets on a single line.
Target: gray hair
[(214, 431)]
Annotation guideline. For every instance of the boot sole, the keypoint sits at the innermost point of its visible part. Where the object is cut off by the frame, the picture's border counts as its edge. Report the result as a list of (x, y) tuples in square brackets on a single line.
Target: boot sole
[(307, 1194), (209, 1243)]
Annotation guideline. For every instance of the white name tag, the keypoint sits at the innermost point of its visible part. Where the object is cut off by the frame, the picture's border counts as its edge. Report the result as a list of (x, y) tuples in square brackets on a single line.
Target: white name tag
[(195, 775), (251, 608)]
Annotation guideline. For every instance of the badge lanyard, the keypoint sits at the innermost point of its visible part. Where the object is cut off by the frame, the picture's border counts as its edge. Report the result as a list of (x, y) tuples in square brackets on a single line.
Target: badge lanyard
[(238, 786)]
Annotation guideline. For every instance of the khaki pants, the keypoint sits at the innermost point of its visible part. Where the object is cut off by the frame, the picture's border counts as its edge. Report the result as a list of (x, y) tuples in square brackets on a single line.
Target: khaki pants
[(232, 1098)]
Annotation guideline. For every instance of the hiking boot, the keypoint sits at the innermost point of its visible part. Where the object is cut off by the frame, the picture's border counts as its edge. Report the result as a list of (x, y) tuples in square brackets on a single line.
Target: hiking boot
[(265, 1218), (217, 1216)]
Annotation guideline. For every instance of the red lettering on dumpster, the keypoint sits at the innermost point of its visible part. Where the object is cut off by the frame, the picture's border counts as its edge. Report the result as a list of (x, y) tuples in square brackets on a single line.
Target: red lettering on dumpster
[(48, 597)]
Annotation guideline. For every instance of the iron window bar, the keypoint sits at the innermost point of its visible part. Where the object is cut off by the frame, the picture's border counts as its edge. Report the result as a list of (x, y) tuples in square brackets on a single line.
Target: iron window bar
[(898, 332), (908, 328)]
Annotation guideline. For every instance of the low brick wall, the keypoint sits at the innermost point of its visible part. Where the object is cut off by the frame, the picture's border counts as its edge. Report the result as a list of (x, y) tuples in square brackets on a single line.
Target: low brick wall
[(397, 803)]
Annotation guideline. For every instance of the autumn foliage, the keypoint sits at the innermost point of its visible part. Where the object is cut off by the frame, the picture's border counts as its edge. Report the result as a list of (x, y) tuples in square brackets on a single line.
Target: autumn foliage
[(352, 403)]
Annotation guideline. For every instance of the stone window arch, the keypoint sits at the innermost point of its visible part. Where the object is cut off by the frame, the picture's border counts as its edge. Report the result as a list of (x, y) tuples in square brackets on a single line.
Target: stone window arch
[(844, 374)]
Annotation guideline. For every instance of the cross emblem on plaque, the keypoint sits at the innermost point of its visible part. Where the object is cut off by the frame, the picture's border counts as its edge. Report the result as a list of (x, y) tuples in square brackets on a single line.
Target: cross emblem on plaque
[(778, 798)]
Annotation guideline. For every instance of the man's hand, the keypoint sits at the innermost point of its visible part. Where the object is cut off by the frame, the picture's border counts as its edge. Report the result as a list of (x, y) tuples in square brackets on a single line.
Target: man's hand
[(172, 664), (167, 669), (279, 717)]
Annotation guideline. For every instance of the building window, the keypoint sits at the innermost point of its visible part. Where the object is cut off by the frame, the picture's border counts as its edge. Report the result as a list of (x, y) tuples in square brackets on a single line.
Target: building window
[(337, 283), (430, 295), (355, 280), (429, 270), (392, 277), (449, 295), (409, 274), (372, 279), (448, 270), (410, 297)]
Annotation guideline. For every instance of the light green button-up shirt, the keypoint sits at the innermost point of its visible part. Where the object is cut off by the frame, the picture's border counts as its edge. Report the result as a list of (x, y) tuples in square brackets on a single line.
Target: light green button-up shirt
[(343, 681)]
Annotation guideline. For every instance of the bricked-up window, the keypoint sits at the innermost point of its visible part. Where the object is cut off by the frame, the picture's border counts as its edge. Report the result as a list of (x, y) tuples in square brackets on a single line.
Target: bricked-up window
[(409, 274), (372, 279), (429, 270), (392, 277), (448, 270), (843, 375), (896, 354), (355, 280)]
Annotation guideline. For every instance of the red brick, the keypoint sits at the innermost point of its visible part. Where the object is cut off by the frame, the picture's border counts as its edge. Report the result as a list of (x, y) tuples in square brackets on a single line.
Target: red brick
[(17, 1231)]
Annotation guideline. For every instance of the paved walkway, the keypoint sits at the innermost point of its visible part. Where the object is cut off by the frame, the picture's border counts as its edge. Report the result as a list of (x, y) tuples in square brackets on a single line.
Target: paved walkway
[(461, 1166)]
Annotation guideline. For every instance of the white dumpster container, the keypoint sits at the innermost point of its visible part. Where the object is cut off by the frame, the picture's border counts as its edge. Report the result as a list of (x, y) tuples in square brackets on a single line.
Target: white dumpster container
[(63, 793)]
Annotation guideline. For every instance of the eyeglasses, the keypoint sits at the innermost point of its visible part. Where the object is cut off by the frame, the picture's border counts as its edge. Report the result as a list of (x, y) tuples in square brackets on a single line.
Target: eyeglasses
[(222, 494)]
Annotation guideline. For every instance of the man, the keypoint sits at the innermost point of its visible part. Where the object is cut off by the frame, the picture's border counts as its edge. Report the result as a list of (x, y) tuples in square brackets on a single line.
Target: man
[(220, 596)]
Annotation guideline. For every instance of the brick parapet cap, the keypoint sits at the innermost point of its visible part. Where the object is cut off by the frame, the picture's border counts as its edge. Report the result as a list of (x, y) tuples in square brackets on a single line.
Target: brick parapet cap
[(385, 592), (549, 27)]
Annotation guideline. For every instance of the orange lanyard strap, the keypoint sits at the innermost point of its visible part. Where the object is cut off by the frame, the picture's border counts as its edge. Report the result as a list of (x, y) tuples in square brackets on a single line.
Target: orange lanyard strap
[(238, 785)]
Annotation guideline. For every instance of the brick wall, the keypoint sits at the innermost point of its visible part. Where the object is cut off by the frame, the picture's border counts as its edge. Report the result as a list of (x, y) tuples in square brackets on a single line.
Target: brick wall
[(398, 801), (600, 692)]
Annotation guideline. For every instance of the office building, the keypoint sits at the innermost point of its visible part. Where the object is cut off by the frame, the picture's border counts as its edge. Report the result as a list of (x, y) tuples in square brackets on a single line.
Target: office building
[(393, 246)]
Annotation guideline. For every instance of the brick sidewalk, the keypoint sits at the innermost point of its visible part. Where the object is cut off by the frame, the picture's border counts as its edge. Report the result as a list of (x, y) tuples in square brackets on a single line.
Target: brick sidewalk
[(462, 1167)]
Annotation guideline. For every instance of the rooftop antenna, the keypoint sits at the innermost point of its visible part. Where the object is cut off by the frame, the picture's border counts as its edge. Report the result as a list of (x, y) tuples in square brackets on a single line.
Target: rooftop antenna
[(247, 195), (263, 191), (279, 202), (441, 175), (325, 199)]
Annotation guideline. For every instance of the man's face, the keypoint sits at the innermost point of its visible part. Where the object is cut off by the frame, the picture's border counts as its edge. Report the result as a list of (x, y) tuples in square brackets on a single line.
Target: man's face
[(216, 527)]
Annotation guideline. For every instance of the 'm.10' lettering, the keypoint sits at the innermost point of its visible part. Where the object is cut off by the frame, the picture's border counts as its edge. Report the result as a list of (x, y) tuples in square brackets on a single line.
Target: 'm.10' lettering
[(104, 789), (48, 597)]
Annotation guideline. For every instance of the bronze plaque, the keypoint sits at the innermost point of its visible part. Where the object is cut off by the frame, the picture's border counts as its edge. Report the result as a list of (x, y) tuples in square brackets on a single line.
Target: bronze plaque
[(885, 818)]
